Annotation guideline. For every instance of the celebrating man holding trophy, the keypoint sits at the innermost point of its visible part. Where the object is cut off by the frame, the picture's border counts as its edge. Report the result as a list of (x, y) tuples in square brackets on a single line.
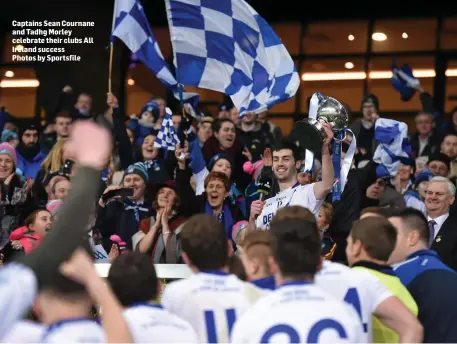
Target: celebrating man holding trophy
[(314, 134)]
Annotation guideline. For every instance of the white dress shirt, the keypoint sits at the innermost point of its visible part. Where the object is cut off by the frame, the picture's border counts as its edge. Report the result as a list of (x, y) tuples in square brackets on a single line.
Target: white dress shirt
[(439, 222)]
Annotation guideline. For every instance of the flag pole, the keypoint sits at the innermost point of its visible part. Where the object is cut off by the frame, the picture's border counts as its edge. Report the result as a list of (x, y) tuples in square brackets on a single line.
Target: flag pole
[(111, 50)]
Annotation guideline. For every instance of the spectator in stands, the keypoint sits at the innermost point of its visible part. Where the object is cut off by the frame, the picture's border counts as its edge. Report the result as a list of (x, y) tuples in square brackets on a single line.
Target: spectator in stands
[(425, 142), (145, 124), (369, 247), (29, 154), (234, 115), (159, 235), (60, 131), (449, 148), (255, 252), (363, 128), (13, 192), (253, 137), (204, 131), (443, 236), (122, 216), (24, 239), (83, 106), (439, 164), (224, 140), (431, 283), (10, 137), (224, 111), (403, 185)]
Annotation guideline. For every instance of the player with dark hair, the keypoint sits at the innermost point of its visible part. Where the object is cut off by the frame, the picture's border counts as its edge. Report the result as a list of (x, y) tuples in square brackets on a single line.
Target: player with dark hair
[(133, 278), (296, 258), (211, 300)]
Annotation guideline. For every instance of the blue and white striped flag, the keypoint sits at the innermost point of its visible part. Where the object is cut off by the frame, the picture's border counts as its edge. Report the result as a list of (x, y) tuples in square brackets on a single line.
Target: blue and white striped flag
[(131, 26), (225, 46), (167, 138), (393, 148)]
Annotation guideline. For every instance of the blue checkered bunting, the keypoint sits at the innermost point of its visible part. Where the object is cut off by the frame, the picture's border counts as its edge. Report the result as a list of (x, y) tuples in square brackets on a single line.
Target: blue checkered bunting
[(225, 46), (167, 138)]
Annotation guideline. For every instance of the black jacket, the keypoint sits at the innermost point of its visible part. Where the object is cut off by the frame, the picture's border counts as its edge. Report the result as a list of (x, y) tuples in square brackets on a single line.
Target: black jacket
[(445, 243)]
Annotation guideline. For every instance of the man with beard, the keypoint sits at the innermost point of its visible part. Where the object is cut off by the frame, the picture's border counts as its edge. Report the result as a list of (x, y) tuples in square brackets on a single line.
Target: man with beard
[(286, 162), (29, 154)]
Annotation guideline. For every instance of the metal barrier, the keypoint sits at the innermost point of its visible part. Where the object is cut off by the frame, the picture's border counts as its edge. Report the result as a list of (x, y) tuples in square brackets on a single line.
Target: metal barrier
[(164, 271)]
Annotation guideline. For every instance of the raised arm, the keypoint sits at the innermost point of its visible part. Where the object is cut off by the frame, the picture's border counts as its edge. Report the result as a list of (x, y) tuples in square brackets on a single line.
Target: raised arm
[(322, 188), (69, 228)]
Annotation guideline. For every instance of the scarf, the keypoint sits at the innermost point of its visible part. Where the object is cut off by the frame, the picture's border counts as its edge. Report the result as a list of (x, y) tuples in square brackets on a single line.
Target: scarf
[(225, 217), (137, 208), (154, 164), (237, 198)]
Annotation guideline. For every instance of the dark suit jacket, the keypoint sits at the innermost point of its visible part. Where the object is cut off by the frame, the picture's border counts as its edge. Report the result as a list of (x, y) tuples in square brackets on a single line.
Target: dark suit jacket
[(445, 243), (432, 147)]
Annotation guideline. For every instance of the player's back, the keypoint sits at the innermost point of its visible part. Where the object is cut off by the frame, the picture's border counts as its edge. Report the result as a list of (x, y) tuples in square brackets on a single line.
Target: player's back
[(79, 330), (299, 312), (25, 331), (153, 324), (211, 302), (358, 288)]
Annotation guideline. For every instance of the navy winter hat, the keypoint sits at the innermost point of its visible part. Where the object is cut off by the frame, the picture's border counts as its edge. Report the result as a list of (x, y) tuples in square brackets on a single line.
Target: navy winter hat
[(152, 107)]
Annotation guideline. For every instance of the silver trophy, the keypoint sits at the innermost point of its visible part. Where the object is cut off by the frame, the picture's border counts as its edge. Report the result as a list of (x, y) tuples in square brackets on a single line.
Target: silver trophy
[(310, 133)]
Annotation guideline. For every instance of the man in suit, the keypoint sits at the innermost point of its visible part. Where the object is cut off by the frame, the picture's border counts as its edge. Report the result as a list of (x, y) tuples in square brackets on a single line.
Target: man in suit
[(426, 141), (442, 226)]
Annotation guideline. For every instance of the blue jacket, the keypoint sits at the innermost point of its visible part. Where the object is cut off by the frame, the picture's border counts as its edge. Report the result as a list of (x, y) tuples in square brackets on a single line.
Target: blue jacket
[(433, 286), (29, 169)]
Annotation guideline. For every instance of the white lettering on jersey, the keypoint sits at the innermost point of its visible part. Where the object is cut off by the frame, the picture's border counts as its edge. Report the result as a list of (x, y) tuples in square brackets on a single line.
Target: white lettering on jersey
[(211, 302), (281, 316), (358, 288), (18, 287), (301, 195), (153, 324)]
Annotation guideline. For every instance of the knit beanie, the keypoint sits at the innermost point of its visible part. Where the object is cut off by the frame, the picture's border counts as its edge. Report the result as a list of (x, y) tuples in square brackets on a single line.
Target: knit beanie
[(7, 149), (152, 107), (140, 169), (54, 205), (8, 135), (218, 157)]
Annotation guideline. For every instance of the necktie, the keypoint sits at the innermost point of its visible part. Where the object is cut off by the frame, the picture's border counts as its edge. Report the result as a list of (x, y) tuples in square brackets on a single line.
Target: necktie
[(431, 232)]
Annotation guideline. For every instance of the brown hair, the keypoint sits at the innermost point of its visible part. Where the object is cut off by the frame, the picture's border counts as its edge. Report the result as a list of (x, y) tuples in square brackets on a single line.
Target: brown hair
[(204, 241), (176, 205), (377, 236), (294, 212), (257, 245), (32, 217), (217, 176), (63, 114), (327, 208)]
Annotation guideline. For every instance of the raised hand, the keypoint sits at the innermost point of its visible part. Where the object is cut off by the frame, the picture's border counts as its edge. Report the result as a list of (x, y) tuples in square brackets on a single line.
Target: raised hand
[(267, 157)]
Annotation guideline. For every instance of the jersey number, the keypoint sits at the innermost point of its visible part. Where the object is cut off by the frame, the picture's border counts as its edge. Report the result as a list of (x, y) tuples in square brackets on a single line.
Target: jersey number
[(210, 321), (313, 335), (352, 297)]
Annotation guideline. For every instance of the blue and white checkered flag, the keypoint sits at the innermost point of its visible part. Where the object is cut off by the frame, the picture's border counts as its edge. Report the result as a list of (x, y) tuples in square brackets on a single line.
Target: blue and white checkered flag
[(225, 46), (167, 138), (131, 26)]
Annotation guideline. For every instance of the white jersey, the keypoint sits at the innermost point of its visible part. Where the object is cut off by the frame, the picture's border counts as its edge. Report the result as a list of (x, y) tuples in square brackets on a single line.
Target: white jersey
[(78, 330), (25, 331), (18, 287), (152, 324), (301, 195), (299, 312), (211, 302), (358, 288)]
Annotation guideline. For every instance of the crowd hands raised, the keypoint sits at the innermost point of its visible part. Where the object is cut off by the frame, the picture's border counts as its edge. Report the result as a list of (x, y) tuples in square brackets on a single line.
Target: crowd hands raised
[(367, 265)]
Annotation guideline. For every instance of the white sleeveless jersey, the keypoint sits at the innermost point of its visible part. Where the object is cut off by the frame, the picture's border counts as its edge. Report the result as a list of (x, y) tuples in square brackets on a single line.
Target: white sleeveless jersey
[(82, 330), (299, 312), (25, 331), (211, 302), (153, 324), (301, 195), (358, 288), (18, 288)]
